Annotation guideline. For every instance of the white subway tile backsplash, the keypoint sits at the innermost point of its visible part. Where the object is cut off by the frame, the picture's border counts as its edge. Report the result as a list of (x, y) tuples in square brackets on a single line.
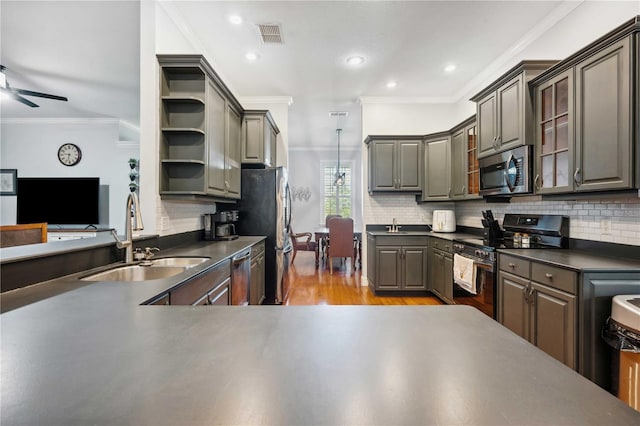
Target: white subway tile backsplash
[(584, 216)]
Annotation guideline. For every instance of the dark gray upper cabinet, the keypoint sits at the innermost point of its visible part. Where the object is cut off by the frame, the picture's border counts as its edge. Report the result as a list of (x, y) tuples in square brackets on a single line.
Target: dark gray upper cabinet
[(603, 120), (233, 152), (259, 137), (437, 160), (583, 113), (200, 129), (554, 134), (465, 172), (395, 163), (505, 109), (217, 143)]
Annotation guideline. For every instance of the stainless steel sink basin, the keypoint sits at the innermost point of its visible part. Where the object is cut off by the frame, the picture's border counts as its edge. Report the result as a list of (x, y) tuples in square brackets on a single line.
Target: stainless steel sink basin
[(185, 262), (135, 273)]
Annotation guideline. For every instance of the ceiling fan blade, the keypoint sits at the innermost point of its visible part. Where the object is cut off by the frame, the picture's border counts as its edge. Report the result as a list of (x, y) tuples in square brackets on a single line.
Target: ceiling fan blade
[(39, 94), (18, 98)]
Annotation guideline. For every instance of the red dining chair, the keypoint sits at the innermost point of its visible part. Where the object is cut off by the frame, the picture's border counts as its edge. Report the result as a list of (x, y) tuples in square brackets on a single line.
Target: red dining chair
[(340, 240)]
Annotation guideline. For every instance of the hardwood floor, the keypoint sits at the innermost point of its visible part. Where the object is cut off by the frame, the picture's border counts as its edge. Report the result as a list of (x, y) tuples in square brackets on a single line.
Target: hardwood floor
[(311, 286)]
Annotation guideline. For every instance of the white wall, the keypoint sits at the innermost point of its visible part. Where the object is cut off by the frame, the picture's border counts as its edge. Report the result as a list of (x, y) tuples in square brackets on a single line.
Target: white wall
[(305, 170), (103, 156)]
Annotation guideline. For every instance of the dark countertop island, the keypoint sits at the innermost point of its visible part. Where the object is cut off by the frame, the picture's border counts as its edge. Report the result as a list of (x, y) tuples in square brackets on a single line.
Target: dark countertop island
[(95, 356), (577, 260)]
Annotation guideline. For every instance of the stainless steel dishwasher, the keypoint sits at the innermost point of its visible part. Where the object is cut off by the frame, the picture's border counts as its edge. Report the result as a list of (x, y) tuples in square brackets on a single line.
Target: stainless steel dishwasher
[(240, 276)]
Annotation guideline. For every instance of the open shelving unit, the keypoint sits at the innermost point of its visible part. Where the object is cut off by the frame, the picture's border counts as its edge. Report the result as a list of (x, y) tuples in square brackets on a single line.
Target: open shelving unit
[(183, 124)]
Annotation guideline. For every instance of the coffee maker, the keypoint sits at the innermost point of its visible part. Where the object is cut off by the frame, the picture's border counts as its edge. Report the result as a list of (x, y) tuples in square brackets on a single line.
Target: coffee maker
[(220, 226)]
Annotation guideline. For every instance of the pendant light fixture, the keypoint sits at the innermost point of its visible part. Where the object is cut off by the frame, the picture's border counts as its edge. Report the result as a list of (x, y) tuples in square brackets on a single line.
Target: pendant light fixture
[(339, 177)]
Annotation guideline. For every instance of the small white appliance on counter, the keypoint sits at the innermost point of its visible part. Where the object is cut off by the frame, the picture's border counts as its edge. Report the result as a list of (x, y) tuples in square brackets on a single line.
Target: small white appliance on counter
[(444, 221)]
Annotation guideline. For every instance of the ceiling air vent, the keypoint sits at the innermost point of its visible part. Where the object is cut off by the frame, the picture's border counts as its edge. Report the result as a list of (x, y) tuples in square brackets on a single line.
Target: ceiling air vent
[(270, 33)]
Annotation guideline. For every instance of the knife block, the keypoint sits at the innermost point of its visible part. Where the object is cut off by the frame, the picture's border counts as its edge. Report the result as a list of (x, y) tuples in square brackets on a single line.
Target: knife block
[(492, 232)]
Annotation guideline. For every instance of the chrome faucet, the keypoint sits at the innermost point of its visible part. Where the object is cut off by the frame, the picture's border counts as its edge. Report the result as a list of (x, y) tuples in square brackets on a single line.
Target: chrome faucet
[(394, 227), (130, 225)]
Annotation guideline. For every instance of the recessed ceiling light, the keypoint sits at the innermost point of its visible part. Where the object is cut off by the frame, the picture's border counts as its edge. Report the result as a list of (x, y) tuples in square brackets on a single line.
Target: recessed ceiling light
[(235, 19), (450, 68), (391, 84), (355, 60), (251, 56)]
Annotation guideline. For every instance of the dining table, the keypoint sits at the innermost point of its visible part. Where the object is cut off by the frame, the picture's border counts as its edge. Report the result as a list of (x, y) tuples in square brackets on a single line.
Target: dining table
[(321, 235)]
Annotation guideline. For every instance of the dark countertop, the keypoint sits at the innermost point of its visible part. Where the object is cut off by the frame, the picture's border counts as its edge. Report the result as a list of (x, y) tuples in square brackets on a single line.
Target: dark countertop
[(216, 250), (576, 260), (94, 356)]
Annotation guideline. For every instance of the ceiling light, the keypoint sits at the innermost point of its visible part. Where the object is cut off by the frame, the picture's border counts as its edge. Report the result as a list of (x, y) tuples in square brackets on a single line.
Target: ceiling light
[(391, 84), (235, 19), (450, 68), (355, 60), (251, 56)]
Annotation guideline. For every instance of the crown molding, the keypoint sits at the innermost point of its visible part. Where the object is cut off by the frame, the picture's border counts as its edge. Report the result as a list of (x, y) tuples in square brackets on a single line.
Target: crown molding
[(288, 100)]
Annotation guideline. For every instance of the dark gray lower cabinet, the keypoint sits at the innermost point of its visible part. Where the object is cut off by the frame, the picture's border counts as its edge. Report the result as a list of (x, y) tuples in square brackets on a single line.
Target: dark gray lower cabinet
[(441, 269), (397, 263), (543, 313), (256, 288), (210, 287)]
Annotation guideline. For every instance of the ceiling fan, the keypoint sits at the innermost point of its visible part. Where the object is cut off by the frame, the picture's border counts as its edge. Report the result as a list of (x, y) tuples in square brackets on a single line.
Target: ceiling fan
[(16, 93)]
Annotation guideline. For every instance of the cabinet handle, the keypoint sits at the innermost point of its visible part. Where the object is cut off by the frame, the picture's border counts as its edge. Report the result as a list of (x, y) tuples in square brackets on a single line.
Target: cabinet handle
[(464, 188), (575, 176), (548, 275), (525, 294), (536, 182), (498, 141), (512, 265), (493, 144), (532, 300)]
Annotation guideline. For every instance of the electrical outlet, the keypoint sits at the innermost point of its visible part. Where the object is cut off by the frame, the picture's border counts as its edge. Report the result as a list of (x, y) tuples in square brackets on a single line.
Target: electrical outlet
[(605, 226), (164, 223)]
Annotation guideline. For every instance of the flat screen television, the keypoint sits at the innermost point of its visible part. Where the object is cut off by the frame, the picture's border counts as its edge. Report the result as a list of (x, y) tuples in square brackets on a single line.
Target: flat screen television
[(59, 201)]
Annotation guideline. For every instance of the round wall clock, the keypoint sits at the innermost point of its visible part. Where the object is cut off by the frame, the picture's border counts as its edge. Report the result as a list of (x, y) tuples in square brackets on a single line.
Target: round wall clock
[(69, 154)]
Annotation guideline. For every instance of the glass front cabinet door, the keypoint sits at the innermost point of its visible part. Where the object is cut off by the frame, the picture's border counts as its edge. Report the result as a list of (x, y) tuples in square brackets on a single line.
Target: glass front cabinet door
[(554, 135)]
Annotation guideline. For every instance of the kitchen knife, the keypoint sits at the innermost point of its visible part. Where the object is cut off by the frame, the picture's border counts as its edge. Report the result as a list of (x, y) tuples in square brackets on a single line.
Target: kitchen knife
[(490, 216), (485, 223)]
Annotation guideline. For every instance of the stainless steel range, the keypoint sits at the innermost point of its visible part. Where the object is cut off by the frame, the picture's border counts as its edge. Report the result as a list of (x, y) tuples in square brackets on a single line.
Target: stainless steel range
[(520, 231)]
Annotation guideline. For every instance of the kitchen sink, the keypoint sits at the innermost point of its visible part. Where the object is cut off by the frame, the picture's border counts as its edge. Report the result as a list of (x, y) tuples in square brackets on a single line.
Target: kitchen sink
[(164, 267), (185, 262), (135, 273), (397, 232)]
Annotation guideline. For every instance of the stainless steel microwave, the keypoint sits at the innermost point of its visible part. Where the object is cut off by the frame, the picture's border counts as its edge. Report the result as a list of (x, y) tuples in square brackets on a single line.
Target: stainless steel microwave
[(507, 173)]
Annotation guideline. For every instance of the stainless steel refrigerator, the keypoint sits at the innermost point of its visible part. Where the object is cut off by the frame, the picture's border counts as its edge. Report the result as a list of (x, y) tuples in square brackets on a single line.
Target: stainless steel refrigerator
[(265, 209)]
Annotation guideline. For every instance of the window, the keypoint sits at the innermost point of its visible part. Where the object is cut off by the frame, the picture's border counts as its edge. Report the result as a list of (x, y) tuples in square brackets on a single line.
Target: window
[(336, 198)]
